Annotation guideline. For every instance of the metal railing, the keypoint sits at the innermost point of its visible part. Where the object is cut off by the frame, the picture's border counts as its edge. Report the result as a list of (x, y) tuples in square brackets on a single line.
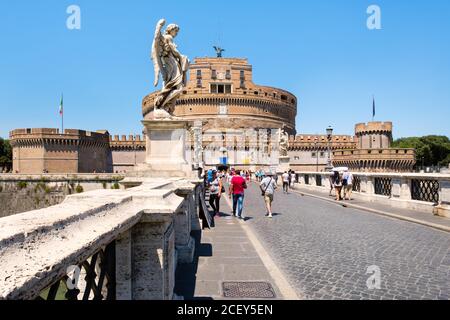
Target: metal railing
[(96, 277), (425, 190), (383, 186)]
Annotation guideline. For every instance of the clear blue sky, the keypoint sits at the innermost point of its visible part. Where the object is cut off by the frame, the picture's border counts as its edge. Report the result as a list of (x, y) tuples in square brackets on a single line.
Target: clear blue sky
[(321, 51)]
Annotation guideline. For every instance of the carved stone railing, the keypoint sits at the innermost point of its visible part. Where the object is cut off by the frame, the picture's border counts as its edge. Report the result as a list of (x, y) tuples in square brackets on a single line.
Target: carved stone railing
[(103, 244), (426, 192)]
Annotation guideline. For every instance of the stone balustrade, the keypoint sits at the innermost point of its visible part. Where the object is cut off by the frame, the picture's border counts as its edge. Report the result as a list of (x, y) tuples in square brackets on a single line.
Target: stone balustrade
[(417, 191), (125, 244)]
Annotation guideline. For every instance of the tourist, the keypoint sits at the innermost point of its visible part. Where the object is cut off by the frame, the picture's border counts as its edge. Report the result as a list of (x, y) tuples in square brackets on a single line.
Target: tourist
[(337, 182), (286, 177), (268, 186), (209, 178), (348, 185), (215, 192), (237, 187), (293, 179)]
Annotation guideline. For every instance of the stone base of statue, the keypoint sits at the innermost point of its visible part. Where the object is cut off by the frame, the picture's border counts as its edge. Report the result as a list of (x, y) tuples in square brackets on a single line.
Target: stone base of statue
[(166, 147), (284, 164)]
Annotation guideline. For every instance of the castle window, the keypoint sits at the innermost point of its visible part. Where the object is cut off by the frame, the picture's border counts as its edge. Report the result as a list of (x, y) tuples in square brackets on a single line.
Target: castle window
[(297, 158), (314, 154), (199, 74), (256, 93), (242, 84), (199, 83), (214, 74), (228, 75), (221, 88), (284, 98), (242, 75), (322, 154)]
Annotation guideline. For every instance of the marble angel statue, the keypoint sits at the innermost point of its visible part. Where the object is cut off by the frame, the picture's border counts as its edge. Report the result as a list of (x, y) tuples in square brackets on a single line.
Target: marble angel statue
[(170, 64), (284, 143)]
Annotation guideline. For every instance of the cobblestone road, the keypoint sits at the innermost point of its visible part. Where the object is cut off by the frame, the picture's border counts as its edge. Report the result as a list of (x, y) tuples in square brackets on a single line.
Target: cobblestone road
[(325, 250)]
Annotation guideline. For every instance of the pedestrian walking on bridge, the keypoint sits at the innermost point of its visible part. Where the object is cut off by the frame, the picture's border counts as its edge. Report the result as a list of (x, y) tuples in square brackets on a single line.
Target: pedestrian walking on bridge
[(237, 187), (268, 187)]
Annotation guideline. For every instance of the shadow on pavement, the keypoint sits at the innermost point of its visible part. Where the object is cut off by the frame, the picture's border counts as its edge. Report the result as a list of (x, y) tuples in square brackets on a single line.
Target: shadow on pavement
[(186, 274)]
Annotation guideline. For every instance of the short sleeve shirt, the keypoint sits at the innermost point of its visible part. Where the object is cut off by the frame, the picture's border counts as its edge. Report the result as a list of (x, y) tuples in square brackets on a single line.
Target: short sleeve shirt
[(238, 184)]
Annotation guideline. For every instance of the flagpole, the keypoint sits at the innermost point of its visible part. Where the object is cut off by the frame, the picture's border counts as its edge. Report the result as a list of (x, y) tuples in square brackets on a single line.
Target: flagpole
[(373, 108), (61, 111)]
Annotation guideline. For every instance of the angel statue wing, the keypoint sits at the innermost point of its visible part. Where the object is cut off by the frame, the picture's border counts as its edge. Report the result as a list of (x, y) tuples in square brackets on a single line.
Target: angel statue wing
[(156, 51)]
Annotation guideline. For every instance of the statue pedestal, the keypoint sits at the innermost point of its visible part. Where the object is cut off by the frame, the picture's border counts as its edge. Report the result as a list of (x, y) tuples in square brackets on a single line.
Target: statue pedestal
[(166, 147), (284, 164)]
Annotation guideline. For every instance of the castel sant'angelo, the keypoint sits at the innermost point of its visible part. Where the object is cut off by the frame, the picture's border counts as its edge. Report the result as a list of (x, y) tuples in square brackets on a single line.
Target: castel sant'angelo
[(226, 105)]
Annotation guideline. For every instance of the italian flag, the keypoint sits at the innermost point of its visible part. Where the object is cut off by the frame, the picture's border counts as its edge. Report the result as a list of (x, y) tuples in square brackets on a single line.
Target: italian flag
[(61, 106)]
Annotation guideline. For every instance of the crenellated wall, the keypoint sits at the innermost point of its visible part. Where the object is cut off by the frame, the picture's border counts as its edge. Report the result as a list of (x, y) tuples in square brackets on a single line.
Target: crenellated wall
[(40, 150), (126, 152)]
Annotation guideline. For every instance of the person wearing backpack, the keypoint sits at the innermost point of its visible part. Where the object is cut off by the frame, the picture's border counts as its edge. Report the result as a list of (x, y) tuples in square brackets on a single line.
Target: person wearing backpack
[(268, 187)]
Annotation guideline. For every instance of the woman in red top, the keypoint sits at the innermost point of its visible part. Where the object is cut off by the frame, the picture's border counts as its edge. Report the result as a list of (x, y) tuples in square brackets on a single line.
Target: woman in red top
[(237, 187)]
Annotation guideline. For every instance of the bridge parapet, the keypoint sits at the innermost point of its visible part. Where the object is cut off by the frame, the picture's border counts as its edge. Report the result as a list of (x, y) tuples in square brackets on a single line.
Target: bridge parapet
[(416, 191), (120, 244)]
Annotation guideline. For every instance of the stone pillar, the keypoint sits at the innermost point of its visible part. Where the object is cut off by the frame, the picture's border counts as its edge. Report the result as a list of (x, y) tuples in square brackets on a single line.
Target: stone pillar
[(198, 145), (284, 164), (401, 188), (124, 289), (166, 149), (185, 244), (146, 261), (312, 180), (326, 181), (443, 209), (302, 179)]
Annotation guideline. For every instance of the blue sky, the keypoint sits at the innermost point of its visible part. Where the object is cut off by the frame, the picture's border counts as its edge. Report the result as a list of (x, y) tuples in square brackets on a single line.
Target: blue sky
[(321, 51)]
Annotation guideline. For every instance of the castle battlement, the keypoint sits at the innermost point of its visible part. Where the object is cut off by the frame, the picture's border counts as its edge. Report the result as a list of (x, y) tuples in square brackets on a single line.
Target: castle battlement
[(130, 142), (39, 136), (373, 127)]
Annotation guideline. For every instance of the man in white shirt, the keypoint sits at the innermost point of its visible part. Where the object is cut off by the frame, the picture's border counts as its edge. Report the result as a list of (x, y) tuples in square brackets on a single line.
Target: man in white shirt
[(285, 178), (348, 185), (268, 187)]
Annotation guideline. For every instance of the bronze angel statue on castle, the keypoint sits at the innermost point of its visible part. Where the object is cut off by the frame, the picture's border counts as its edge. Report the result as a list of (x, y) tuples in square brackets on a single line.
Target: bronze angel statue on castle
[(172, 66)]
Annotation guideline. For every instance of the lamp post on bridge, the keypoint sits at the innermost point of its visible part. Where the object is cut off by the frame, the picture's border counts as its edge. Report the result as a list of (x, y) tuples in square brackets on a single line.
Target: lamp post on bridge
[(329, 138)]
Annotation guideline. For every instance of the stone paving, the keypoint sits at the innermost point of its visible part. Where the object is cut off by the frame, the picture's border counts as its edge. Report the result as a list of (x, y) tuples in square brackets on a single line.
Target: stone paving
[(325, 250), (223, 254)]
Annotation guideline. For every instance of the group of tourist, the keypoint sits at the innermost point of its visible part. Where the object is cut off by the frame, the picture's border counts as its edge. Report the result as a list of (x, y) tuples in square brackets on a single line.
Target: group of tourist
[(342, 183), (238, 183), (289, 180)]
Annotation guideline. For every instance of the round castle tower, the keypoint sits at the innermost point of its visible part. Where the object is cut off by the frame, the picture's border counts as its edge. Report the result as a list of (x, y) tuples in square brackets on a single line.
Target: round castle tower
[(374, 135)]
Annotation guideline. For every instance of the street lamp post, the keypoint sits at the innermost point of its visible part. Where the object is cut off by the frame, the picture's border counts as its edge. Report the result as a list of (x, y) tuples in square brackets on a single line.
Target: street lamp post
[(329, 138)]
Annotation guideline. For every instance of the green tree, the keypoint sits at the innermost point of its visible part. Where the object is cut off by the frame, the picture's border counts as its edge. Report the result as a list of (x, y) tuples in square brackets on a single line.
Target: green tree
[(5, 154), (433, 150)]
